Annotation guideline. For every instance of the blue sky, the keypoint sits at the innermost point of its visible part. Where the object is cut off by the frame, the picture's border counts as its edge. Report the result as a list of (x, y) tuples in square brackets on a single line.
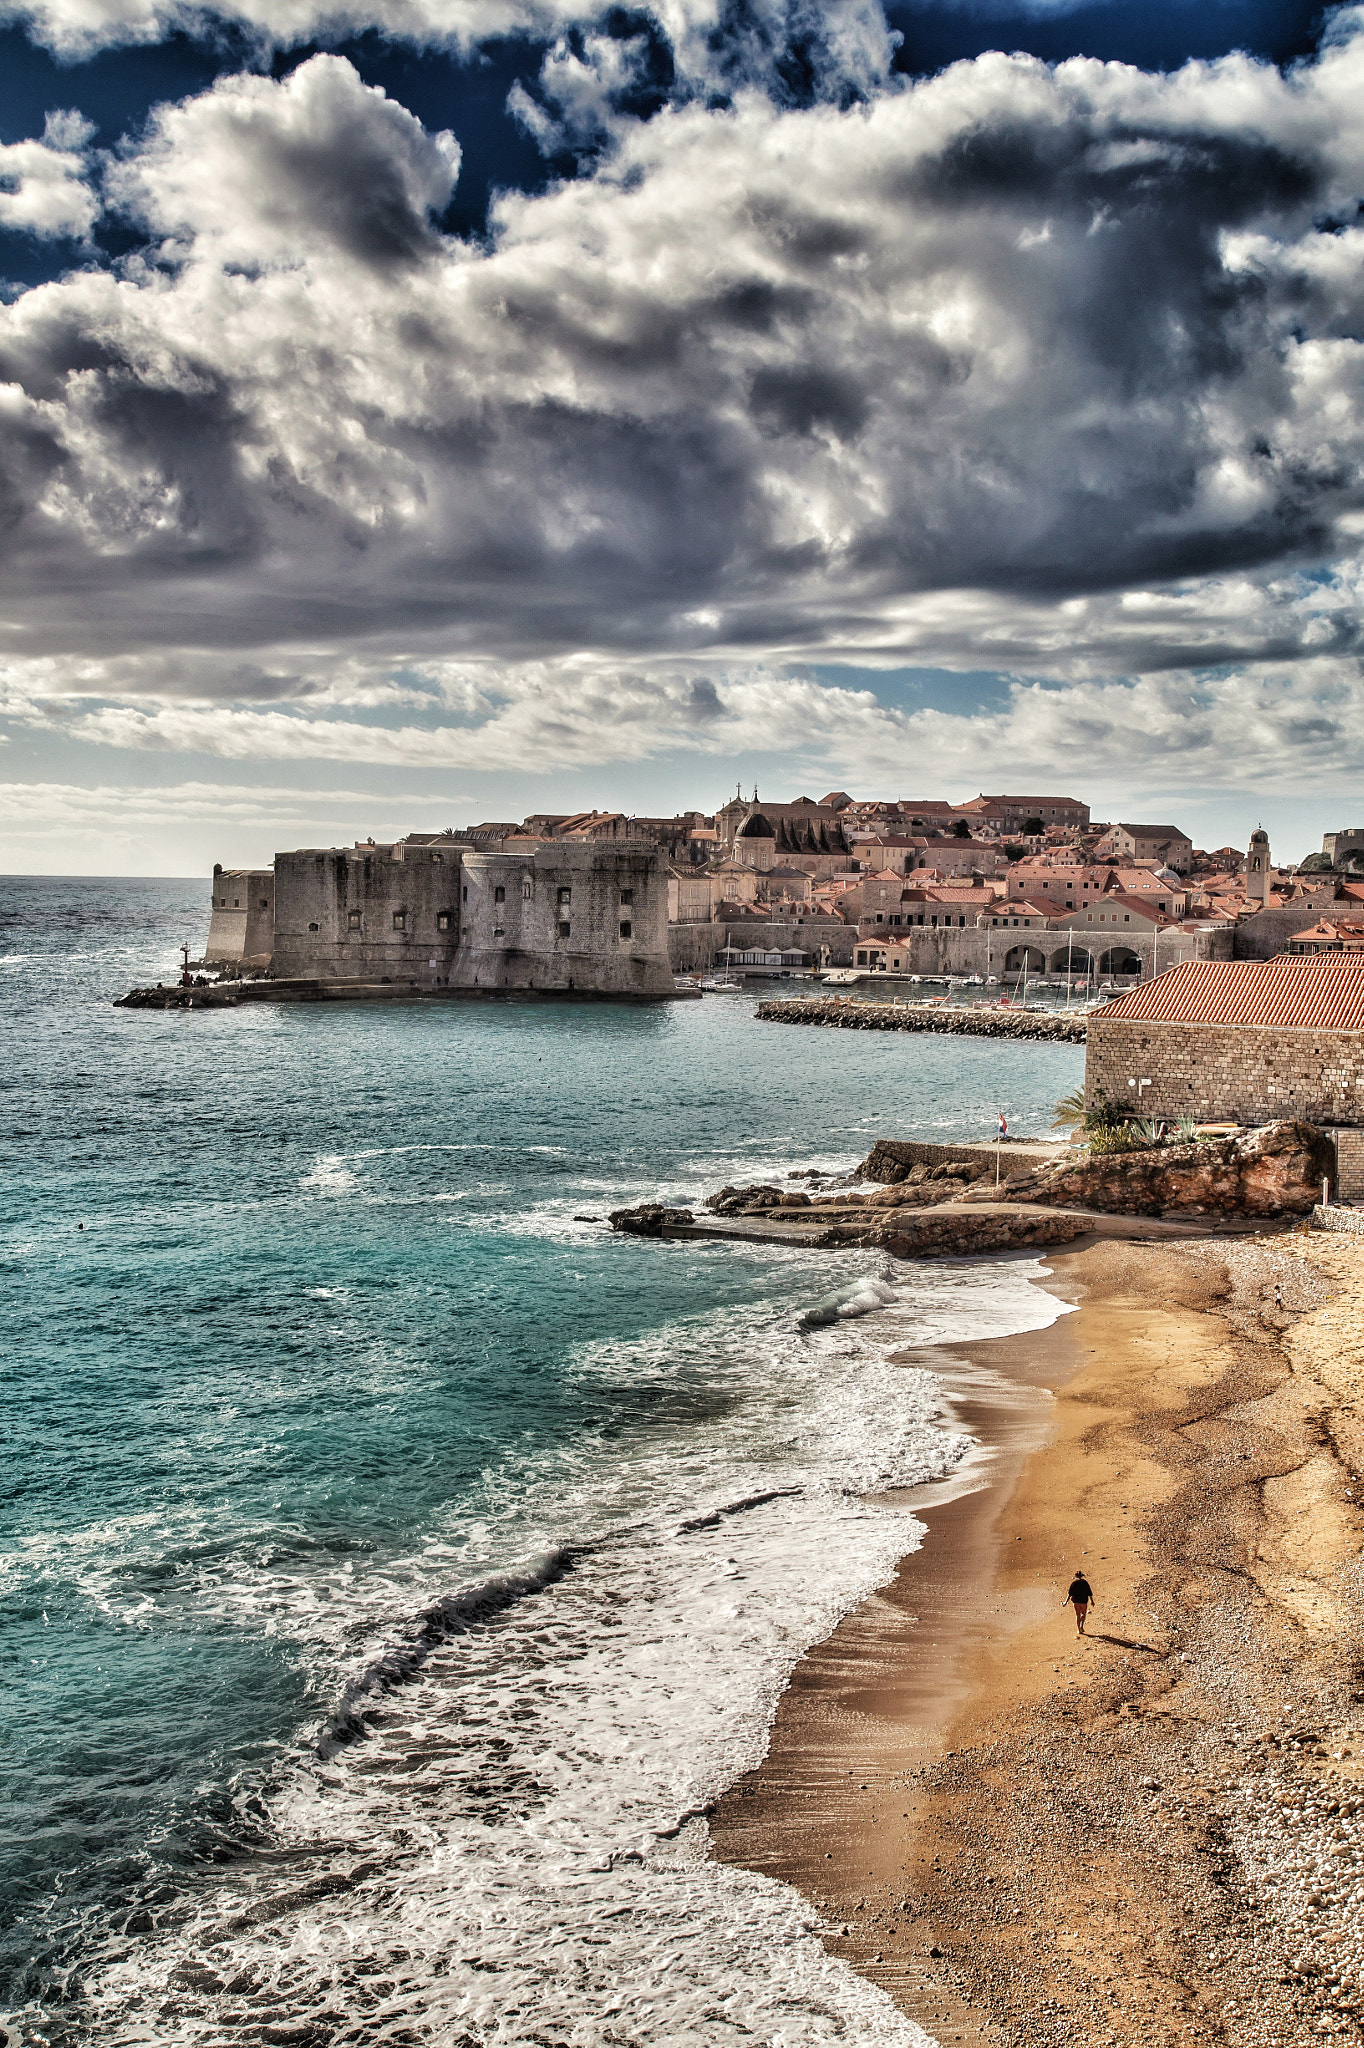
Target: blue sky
[(439, 409)]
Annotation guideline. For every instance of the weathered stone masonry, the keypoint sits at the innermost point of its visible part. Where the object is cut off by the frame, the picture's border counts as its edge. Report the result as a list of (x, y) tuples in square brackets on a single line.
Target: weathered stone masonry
[(587, 919), (241, 927), (1249, 1074)]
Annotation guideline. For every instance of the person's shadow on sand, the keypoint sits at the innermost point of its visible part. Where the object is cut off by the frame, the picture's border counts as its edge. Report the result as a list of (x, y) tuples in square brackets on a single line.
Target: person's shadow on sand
[(1094, 1635)]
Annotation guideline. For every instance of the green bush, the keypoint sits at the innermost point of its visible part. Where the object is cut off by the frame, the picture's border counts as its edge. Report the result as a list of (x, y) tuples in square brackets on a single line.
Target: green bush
[(1115, 1138), (1107, 1115)]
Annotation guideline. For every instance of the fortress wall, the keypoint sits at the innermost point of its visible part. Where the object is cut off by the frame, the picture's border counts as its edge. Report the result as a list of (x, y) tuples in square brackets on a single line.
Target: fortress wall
[(1247, 1074), (1267, 932), (241, 924), (364, 916), (592, 919), (452, 917)]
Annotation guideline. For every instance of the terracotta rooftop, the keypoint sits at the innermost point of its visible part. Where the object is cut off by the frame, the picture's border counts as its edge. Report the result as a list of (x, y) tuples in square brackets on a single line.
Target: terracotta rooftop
[(1322, 992)]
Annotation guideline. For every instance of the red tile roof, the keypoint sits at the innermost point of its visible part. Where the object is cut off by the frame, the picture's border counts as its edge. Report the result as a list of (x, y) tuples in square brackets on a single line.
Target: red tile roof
[(1329, 929), (1321, 992)]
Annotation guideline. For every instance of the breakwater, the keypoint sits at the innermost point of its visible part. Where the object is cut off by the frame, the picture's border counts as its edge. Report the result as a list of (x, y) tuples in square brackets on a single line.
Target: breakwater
[(851, 1013)]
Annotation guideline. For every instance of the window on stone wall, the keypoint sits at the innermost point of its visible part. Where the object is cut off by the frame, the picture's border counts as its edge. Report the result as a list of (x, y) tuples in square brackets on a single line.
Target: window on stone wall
[(353, 920), (464, 893), (499, 895), (563, 927), (565, 898), (400, 920), (313, 927), (625, 927), (445, 920), (627, 896), (527, 890)]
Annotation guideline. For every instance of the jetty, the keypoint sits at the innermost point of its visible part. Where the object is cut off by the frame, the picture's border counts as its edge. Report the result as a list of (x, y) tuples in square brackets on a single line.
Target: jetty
[(855, 1013)]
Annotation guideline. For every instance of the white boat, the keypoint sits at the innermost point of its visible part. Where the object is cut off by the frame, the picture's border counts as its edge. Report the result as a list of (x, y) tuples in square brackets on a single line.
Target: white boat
[(721, 988)]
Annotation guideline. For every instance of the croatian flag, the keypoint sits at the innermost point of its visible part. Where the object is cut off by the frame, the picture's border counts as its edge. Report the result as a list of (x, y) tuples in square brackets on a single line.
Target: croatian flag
[(1003, 1126)]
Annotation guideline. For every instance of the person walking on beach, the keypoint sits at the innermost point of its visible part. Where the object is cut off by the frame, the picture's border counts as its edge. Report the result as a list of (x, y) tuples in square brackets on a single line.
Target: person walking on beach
[(1081, 1598)]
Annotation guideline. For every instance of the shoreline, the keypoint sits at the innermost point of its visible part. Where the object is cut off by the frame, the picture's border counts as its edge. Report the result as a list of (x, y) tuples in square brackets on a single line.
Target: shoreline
[(1023, 1838)]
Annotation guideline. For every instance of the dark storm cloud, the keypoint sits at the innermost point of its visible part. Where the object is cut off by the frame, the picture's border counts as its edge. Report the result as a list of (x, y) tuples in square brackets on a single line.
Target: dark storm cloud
[(1022, 365)]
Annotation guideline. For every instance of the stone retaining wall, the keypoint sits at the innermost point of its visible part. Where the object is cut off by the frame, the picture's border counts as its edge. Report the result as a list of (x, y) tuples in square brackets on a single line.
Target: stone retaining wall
[(890, 1159), (1347, 1222)]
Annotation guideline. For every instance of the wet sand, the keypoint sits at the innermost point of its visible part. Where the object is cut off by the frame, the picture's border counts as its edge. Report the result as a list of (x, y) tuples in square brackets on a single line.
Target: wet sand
[(1028, 1838)]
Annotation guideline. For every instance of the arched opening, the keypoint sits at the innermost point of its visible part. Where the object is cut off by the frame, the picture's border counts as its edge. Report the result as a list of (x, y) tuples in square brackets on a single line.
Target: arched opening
[(1120, 960), (1072, 960), (1025, 960)]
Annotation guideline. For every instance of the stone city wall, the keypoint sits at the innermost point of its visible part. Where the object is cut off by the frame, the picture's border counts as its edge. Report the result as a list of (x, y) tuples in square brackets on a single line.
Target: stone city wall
[(1006, 949), (584, 919), (1266, 933), (697, 948), (241, 925), (364, 916), (1226, 1073)]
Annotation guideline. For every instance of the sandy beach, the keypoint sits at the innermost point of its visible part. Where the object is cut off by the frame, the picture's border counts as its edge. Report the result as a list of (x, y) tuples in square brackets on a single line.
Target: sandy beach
[(1155, 1834)]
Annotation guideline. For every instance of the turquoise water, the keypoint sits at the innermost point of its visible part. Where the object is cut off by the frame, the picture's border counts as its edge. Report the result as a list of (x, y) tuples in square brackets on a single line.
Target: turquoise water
[(349, 1484)]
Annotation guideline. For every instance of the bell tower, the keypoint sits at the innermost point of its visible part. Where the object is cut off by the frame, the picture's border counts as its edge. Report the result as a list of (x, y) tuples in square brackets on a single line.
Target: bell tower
[(1257, 867)]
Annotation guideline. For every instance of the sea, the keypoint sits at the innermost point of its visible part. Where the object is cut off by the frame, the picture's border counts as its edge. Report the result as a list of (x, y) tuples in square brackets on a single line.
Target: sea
[(394, 1561)]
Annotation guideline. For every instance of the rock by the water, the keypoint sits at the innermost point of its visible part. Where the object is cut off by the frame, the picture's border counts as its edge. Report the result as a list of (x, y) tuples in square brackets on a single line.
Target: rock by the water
[(1274, 1171), (752, 1200), (649, 1219), (948, 1232)]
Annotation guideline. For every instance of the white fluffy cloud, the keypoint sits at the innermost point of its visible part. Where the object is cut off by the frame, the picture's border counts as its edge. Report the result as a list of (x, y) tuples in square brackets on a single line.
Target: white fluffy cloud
[(1298, 731), (1055, 371), (712, 39), (44, 186), (254, 177)]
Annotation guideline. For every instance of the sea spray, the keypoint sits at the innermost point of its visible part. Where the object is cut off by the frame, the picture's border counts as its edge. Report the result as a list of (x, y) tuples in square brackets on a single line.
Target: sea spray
[(298, 1417)]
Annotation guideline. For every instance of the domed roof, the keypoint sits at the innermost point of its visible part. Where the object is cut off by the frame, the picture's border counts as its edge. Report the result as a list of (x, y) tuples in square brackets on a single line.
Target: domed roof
[(755, 826)]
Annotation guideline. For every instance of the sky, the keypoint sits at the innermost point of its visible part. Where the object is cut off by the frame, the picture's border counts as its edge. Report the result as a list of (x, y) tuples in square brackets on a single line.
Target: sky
[(415, 412)]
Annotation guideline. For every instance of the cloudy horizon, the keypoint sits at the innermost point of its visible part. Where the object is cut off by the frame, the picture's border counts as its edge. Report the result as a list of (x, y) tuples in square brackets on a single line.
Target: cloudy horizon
[(442, 409)]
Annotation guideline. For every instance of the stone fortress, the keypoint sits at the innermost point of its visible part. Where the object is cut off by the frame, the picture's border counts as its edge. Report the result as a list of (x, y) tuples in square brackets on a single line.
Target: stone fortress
[(600, 903), (463, 912)]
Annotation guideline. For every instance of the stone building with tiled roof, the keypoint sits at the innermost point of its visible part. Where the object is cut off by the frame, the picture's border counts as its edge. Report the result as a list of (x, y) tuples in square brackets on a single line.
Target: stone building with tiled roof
[(1242, 1041)]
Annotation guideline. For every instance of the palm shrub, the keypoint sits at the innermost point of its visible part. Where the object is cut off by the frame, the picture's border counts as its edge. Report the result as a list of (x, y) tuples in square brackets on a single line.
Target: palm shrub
[(1070, 1112)]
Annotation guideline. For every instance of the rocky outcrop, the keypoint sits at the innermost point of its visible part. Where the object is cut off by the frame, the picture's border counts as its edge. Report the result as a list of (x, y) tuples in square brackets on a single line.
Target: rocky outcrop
[(921, 1184), (969, 1232), (853, 1013), (1275, 1171), (649, 1219)]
